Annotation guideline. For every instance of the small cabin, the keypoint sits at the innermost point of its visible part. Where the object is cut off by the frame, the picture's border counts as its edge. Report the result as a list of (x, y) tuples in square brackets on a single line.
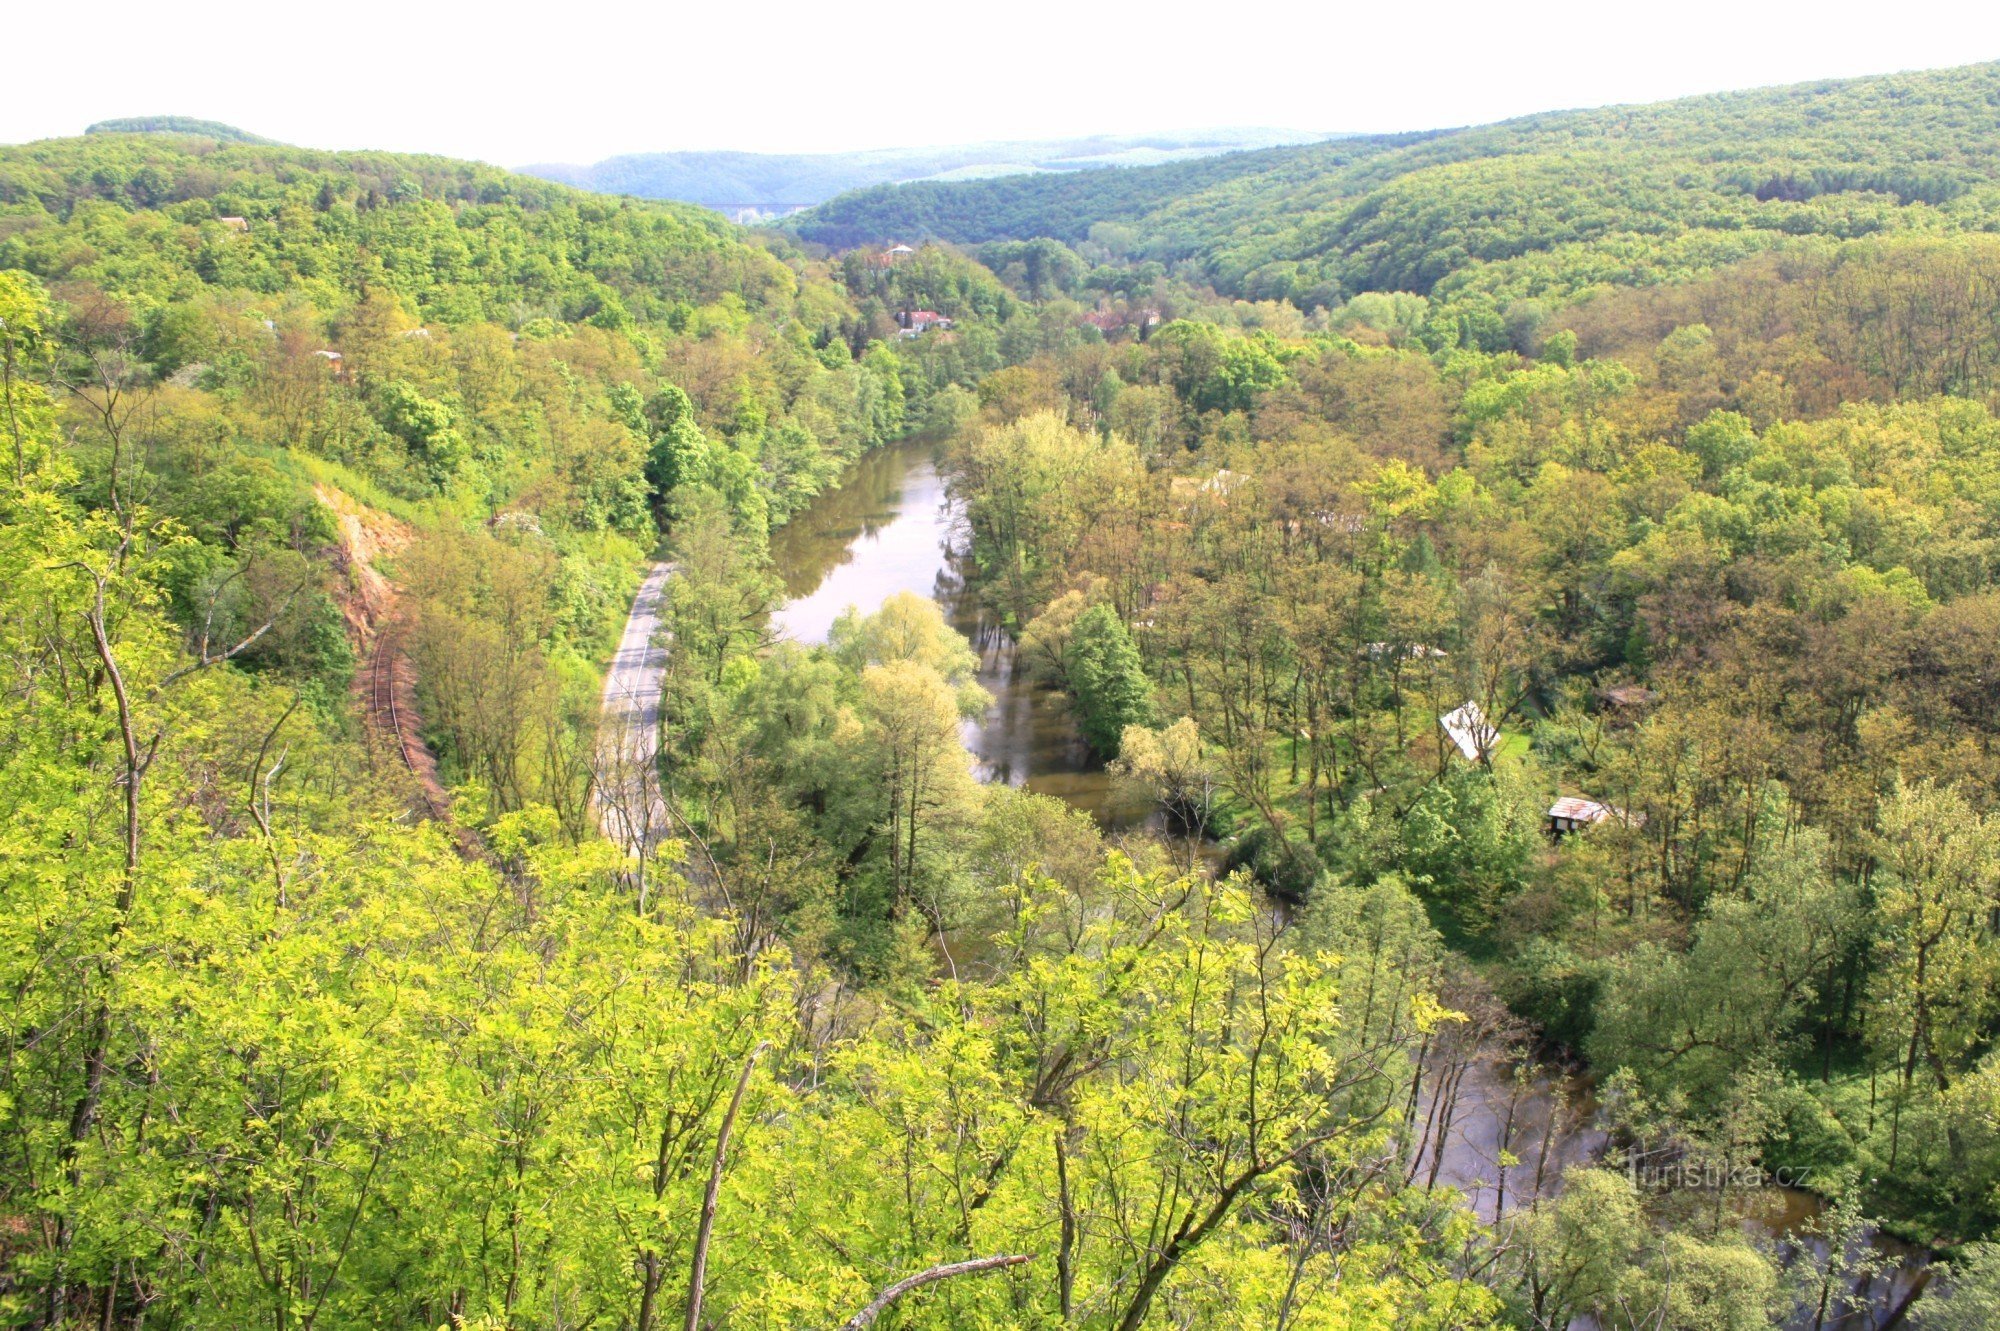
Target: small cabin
[(1573, 813), (235, 223), (1629, 697)]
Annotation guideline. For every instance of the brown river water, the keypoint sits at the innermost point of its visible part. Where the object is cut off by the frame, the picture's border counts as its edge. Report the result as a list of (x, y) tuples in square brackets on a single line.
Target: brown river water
[(891, 527)]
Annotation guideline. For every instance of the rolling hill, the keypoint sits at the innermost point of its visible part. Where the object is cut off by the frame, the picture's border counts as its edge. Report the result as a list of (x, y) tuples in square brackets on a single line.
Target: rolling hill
[(1543, 205), (189, 125), (456, 239), (747, 185)]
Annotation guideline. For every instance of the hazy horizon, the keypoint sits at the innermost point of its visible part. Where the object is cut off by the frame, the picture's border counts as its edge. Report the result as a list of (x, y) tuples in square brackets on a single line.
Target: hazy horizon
[(1292, 135), (370, 76)]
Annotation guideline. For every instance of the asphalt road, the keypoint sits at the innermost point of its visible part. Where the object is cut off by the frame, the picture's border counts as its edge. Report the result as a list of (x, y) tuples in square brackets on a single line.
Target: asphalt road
[(629, 806)]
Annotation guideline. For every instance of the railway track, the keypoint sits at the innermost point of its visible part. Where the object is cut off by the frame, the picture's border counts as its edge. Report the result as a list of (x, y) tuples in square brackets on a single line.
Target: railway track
[(389, 715)]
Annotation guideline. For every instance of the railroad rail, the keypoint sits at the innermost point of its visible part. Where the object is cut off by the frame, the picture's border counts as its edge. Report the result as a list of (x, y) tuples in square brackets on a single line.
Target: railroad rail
[(389, 715)]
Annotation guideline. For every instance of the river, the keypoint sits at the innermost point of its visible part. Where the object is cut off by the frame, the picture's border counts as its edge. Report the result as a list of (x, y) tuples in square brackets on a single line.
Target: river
[(891, 527)]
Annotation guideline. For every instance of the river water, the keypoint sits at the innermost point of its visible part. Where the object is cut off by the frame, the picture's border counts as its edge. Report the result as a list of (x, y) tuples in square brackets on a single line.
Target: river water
[(891, 527)]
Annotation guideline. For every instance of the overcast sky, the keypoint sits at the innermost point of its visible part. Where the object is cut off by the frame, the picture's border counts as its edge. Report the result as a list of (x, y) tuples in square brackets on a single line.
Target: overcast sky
[(579, 80)]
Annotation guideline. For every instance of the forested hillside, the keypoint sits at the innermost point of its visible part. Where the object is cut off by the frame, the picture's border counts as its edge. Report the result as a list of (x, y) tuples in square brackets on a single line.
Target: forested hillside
[(1545, 206), (1062, 207), (189, 125), (1545, 626)]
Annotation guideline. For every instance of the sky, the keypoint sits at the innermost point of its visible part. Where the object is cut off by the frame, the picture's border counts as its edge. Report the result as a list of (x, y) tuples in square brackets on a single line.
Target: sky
[(581, 80)]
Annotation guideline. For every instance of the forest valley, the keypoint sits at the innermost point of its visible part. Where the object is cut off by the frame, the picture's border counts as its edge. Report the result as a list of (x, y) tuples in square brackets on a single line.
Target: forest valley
[(310, 1024)]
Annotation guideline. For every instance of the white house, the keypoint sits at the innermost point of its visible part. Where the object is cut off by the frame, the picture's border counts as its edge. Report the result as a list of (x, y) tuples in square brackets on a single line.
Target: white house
[(1468, 728)]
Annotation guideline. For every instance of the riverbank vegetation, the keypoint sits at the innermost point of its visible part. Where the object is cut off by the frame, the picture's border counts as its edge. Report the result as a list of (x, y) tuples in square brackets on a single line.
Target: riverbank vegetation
[(1735, 599), (302, 1033)]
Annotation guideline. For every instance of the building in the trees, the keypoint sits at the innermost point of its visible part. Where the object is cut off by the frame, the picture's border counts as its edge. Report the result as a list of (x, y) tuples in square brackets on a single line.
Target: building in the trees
[(1469, 730), (1625, 705), (1409, 651), (235, 223), (915, 323), (1628, 698), (1573, 813), (1196, 490)]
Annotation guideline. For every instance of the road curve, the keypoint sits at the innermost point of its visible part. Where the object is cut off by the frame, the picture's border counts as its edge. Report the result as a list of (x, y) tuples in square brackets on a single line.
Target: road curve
[(629, 808)]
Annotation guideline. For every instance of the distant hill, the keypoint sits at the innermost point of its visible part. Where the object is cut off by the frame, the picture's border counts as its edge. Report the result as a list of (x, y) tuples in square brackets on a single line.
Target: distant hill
[(1543, 206), (189, 125), (458, 241), (752, 185), (1064, 206)]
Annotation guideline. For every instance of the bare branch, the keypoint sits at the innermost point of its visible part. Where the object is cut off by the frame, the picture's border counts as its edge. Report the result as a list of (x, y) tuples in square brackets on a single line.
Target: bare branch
[(204, 661), (866, 1317), (699, 1277)]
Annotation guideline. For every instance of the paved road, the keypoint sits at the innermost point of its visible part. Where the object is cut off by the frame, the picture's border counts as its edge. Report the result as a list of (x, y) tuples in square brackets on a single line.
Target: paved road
[(629, 806)]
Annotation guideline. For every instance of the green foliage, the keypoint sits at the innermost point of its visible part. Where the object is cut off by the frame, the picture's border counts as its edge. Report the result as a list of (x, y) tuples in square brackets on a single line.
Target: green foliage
[(1755, 970), (1214, 372), (1467, 841), (1037, 269), (1107, 678), (1067, 207), (679, 454), (1972, 1298), (1286, 868), (459, 242), (428, 427)]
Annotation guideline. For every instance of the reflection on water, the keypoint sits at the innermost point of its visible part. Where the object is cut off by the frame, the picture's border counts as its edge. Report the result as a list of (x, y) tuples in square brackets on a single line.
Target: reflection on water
[(1505, 1143), (890, 527), (881, 532)]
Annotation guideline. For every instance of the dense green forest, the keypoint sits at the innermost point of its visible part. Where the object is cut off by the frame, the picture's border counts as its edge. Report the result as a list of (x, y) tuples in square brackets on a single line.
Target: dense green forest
[(1061, 207), (1545, 207), (1567, 469)]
